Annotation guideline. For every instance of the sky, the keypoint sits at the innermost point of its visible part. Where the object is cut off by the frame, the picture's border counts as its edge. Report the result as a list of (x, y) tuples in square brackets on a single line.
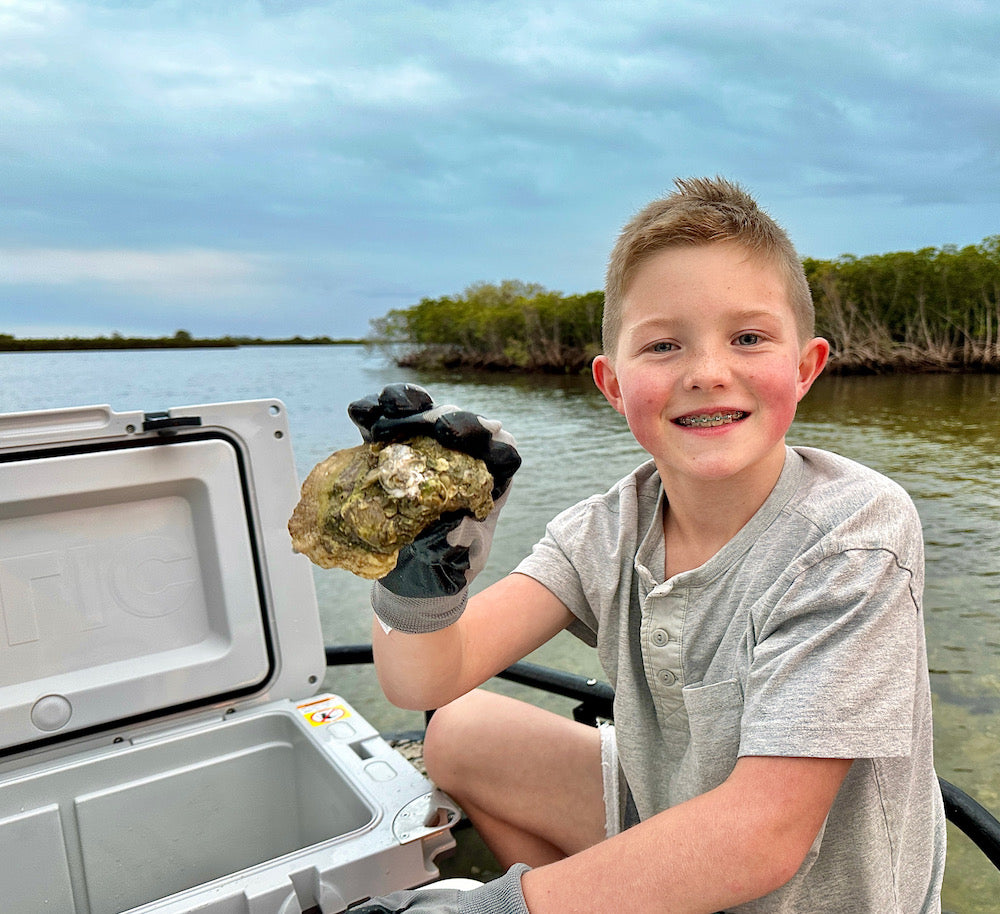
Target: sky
[(283, 167)]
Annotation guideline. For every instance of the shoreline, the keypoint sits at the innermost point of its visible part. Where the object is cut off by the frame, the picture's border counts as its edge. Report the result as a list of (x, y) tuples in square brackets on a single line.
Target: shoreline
[(10, 343), (898, 358), (909, 361)]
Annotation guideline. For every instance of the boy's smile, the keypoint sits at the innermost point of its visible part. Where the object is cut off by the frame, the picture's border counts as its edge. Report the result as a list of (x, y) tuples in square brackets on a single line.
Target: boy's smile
[(710, 420), (709, 366)]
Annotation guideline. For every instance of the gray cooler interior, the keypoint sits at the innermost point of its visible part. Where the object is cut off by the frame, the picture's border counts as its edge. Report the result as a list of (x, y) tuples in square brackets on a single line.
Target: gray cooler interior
[(157, 639), (107, 833)]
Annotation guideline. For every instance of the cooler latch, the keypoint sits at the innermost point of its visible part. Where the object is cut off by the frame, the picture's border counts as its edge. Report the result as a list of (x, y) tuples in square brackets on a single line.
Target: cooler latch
[(165, 424), (430, 814)]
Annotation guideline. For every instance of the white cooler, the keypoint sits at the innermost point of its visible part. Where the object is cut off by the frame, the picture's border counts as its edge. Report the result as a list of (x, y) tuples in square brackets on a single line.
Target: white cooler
[(162, 748)]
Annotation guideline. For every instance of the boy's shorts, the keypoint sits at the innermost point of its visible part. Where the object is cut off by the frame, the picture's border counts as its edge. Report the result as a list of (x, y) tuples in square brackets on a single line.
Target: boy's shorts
[(619, 807)]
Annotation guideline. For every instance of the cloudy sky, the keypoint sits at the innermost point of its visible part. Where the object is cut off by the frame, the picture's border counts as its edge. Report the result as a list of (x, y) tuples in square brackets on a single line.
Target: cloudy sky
[(280, 167)]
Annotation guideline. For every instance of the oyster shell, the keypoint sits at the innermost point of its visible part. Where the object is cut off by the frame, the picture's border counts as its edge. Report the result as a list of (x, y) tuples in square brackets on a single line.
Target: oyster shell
[(360, 506)]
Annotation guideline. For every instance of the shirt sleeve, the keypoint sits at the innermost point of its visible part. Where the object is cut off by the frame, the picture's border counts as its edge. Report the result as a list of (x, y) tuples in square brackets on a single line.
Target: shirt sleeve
[(833, 669), (550, 564)]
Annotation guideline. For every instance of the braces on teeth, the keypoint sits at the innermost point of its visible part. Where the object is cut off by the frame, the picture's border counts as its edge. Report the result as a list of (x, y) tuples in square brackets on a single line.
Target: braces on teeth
[(707, 421)]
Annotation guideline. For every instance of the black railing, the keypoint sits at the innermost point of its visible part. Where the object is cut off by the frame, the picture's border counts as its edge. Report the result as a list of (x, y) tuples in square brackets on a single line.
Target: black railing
[(973, 820), (596, 700)]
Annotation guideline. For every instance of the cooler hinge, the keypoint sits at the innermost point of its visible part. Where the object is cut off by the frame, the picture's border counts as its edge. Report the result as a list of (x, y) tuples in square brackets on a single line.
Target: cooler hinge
[(165, 424)]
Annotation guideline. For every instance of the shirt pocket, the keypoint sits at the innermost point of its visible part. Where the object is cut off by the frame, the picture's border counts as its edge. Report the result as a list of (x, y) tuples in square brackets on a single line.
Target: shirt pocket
[(715, 714)]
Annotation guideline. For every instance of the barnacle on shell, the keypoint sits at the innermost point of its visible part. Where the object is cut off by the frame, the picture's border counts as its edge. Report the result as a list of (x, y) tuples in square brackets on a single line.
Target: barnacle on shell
[(360, 506)]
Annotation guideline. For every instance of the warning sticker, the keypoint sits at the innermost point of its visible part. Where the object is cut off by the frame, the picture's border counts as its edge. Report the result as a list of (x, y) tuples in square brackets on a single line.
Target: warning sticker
[(324, 711)]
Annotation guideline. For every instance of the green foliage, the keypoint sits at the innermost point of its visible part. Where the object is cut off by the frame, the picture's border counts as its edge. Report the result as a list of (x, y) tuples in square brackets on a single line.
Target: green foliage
[(182, 339), (936, 308), (932, 309), (506, 326)]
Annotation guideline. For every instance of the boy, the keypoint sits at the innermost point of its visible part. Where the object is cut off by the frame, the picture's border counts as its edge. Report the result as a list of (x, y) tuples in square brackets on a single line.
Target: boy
[(757, 609)]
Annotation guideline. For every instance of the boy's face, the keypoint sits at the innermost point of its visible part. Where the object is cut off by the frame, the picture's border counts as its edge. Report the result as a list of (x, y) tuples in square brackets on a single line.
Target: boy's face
[(709, 367)]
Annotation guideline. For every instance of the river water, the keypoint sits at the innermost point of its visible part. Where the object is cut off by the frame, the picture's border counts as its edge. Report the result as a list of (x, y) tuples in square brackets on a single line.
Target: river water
[(937, 435)]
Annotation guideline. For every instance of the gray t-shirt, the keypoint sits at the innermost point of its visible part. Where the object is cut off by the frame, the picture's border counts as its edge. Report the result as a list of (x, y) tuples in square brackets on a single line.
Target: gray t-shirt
[(802, 636)]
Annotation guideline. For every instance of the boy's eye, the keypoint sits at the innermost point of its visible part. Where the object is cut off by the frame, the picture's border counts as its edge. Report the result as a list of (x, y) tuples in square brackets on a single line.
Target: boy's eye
[(662, 346), (748, 339)]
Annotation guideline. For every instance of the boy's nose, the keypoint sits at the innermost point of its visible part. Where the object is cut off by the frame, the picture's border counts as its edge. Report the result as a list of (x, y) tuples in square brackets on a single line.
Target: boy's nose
[(706, 369)]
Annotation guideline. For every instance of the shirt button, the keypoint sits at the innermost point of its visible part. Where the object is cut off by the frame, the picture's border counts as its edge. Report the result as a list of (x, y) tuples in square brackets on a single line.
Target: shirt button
[(660, 637), (666, 677)]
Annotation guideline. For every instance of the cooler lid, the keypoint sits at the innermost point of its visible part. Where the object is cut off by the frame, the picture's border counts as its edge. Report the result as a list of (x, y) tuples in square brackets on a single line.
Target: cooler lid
[(146, 568)]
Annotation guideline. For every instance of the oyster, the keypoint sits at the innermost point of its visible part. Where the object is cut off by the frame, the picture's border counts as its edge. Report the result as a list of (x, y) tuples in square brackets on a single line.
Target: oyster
[(360, 506)]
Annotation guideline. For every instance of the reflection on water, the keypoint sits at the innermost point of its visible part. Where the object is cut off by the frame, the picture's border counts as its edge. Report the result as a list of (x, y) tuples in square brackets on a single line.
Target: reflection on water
[(937, 435), (940, 438)]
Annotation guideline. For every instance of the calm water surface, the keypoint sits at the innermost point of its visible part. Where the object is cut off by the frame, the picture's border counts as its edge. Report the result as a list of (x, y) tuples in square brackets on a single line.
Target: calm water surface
[(938, 436)]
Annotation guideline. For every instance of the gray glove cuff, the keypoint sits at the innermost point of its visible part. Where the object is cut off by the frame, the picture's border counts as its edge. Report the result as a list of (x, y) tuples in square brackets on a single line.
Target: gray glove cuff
[(501, 896), (417, 615)]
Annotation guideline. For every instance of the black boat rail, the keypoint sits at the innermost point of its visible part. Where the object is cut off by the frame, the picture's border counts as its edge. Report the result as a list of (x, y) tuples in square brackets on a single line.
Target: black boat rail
[(596, 702)]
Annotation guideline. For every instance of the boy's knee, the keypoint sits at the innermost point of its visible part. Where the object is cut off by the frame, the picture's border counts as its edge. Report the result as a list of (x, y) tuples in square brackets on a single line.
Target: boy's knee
[(447, 733), (457, 736)]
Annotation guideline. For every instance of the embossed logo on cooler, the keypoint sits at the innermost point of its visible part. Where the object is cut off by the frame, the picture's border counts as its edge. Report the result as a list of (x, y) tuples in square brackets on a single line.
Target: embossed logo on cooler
[(77, 587)]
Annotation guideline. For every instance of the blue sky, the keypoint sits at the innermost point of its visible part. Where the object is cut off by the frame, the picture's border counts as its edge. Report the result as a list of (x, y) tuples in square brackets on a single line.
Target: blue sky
[(277, 168)]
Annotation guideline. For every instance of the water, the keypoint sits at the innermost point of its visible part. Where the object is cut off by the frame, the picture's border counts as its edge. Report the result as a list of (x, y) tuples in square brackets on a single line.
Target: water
[(938, 435)]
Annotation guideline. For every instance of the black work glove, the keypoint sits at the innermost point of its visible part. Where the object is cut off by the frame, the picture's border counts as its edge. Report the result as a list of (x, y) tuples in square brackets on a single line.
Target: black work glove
[(428, 588), (501, 896)]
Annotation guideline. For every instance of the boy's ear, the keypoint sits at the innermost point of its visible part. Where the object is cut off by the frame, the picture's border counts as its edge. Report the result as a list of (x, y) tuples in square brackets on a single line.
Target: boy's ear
[(812, 361), (607, 382)]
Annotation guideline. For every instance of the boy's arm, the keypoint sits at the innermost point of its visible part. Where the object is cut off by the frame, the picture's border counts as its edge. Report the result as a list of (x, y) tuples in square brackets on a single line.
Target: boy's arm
[(431, 643), (745, 838), (731, 845), (500, 626)]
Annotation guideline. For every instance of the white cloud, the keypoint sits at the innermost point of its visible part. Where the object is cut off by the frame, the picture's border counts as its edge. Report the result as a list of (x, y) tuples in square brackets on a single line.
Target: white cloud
[(21, 17), (203, 274)]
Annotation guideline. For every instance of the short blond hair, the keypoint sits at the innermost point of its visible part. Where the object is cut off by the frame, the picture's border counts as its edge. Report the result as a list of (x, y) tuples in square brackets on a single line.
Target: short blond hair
[(702, 211)]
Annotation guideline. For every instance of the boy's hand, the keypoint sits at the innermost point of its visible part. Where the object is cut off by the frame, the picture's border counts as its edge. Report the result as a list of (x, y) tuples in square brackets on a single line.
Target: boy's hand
[(501, 896), (406, 410), (428, 588)]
